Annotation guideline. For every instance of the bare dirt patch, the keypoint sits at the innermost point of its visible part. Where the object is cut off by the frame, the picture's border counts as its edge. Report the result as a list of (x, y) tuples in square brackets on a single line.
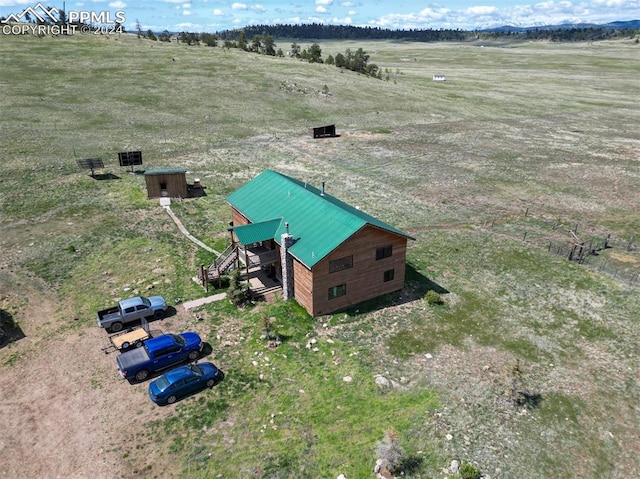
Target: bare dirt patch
[(51, 408), (64, 410)]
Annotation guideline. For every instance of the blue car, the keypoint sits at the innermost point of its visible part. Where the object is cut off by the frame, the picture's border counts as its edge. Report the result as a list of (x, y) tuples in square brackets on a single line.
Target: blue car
[(182, 381)]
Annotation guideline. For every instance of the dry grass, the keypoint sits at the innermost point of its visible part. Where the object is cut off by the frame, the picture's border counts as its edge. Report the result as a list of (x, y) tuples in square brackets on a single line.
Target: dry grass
[(519, 145)]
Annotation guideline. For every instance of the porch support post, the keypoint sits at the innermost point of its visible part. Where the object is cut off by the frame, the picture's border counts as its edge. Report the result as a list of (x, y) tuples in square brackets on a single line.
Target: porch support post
[(246, 262)]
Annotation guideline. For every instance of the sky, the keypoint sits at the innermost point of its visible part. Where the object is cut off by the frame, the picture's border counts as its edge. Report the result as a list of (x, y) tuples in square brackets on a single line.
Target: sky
[(218, 15)]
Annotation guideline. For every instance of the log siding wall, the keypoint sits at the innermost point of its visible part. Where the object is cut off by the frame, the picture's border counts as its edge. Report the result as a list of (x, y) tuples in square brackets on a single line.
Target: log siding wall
[(365, 280), (238, 218)]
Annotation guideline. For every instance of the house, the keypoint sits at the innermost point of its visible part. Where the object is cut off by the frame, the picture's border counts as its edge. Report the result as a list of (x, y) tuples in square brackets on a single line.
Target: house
[(166, 182), (327, 254)]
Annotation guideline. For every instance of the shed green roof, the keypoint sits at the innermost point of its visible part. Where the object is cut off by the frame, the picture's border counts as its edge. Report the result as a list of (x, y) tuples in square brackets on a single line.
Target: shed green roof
[(318, 222), (165, 171)]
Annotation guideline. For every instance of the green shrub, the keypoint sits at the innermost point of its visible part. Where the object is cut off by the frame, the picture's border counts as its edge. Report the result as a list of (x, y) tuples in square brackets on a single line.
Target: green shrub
[(467, 471), (238, 292), (433, 297)]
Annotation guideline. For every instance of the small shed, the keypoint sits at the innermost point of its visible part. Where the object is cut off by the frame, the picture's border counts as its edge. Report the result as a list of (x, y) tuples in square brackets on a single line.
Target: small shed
[(322, 131), (166, 182), (439, 77)]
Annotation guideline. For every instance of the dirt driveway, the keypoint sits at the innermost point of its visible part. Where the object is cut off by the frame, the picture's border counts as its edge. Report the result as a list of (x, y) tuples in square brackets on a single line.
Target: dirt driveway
[(64, 410)]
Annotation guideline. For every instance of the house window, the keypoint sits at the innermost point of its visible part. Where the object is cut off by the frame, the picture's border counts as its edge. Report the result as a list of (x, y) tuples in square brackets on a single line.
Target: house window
[(384, 252), (336, 291), (163, 185), (341, 264), (388, 275)]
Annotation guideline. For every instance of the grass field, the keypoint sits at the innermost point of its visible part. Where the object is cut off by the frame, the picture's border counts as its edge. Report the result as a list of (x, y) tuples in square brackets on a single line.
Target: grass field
[(521, 144)]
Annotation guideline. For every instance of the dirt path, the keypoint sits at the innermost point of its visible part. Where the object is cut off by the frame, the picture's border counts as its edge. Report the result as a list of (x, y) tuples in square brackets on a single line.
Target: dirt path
[(186, 233)]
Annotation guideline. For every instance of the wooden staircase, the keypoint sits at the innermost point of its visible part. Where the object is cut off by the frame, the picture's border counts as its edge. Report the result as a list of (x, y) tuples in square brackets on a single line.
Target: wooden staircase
[(221, 265)]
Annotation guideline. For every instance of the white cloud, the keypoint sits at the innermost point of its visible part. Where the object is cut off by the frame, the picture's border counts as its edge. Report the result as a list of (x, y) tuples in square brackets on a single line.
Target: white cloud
[(239, 6), (14, 3), (217, 12), (321, 9), (117, 4), (342, 21), (481, 10), (186, 13), (258, 8), (324, 2), (431, 14)]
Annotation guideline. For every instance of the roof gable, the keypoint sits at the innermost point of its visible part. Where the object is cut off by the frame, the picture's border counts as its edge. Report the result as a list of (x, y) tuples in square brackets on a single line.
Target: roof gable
[(318, 222)]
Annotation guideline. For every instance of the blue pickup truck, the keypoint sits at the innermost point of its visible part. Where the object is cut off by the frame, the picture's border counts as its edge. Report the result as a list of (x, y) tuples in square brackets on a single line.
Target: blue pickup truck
[(159, 353)]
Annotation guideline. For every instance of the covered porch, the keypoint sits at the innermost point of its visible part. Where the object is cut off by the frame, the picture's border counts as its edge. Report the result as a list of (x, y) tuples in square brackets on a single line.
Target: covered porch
[(255, 253), (259, 254)]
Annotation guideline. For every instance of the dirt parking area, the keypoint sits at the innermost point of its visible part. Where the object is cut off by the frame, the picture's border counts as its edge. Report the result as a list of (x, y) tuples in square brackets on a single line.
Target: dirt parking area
[(64, 410)]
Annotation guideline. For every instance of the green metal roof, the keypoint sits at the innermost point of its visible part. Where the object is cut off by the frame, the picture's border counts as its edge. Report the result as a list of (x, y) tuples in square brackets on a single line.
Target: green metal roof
[(319, 223), (164, 171), (256, 232)]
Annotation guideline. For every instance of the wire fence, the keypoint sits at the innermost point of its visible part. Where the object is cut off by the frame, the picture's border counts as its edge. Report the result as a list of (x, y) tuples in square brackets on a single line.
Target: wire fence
[(586, 244)]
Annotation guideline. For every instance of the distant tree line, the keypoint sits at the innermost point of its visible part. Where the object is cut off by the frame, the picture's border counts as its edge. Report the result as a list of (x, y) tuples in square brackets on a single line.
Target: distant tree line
[(347, 32), (584, 34), (260, 38), (208, 39), (355, 61), (264, 44)]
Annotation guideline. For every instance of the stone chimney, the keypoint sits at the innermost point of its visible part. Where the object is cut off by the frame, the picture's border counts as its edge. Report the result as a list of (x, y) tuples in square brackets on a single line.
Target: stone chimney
[(286, 240)]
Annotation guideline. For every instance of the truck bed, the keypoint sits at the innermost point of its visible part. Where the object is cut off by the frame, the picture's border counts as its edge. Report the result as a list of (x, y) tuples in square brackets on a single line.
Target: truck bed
[(108, 316), (132, 358), (107, 312)]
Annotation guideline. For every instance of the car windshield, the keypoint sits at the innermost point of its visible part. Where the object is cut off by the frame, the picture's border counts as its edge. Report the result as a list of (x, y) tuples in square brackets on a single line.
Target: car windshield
[(162, 383), (179, 339), (197, 370), (146, 302)]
